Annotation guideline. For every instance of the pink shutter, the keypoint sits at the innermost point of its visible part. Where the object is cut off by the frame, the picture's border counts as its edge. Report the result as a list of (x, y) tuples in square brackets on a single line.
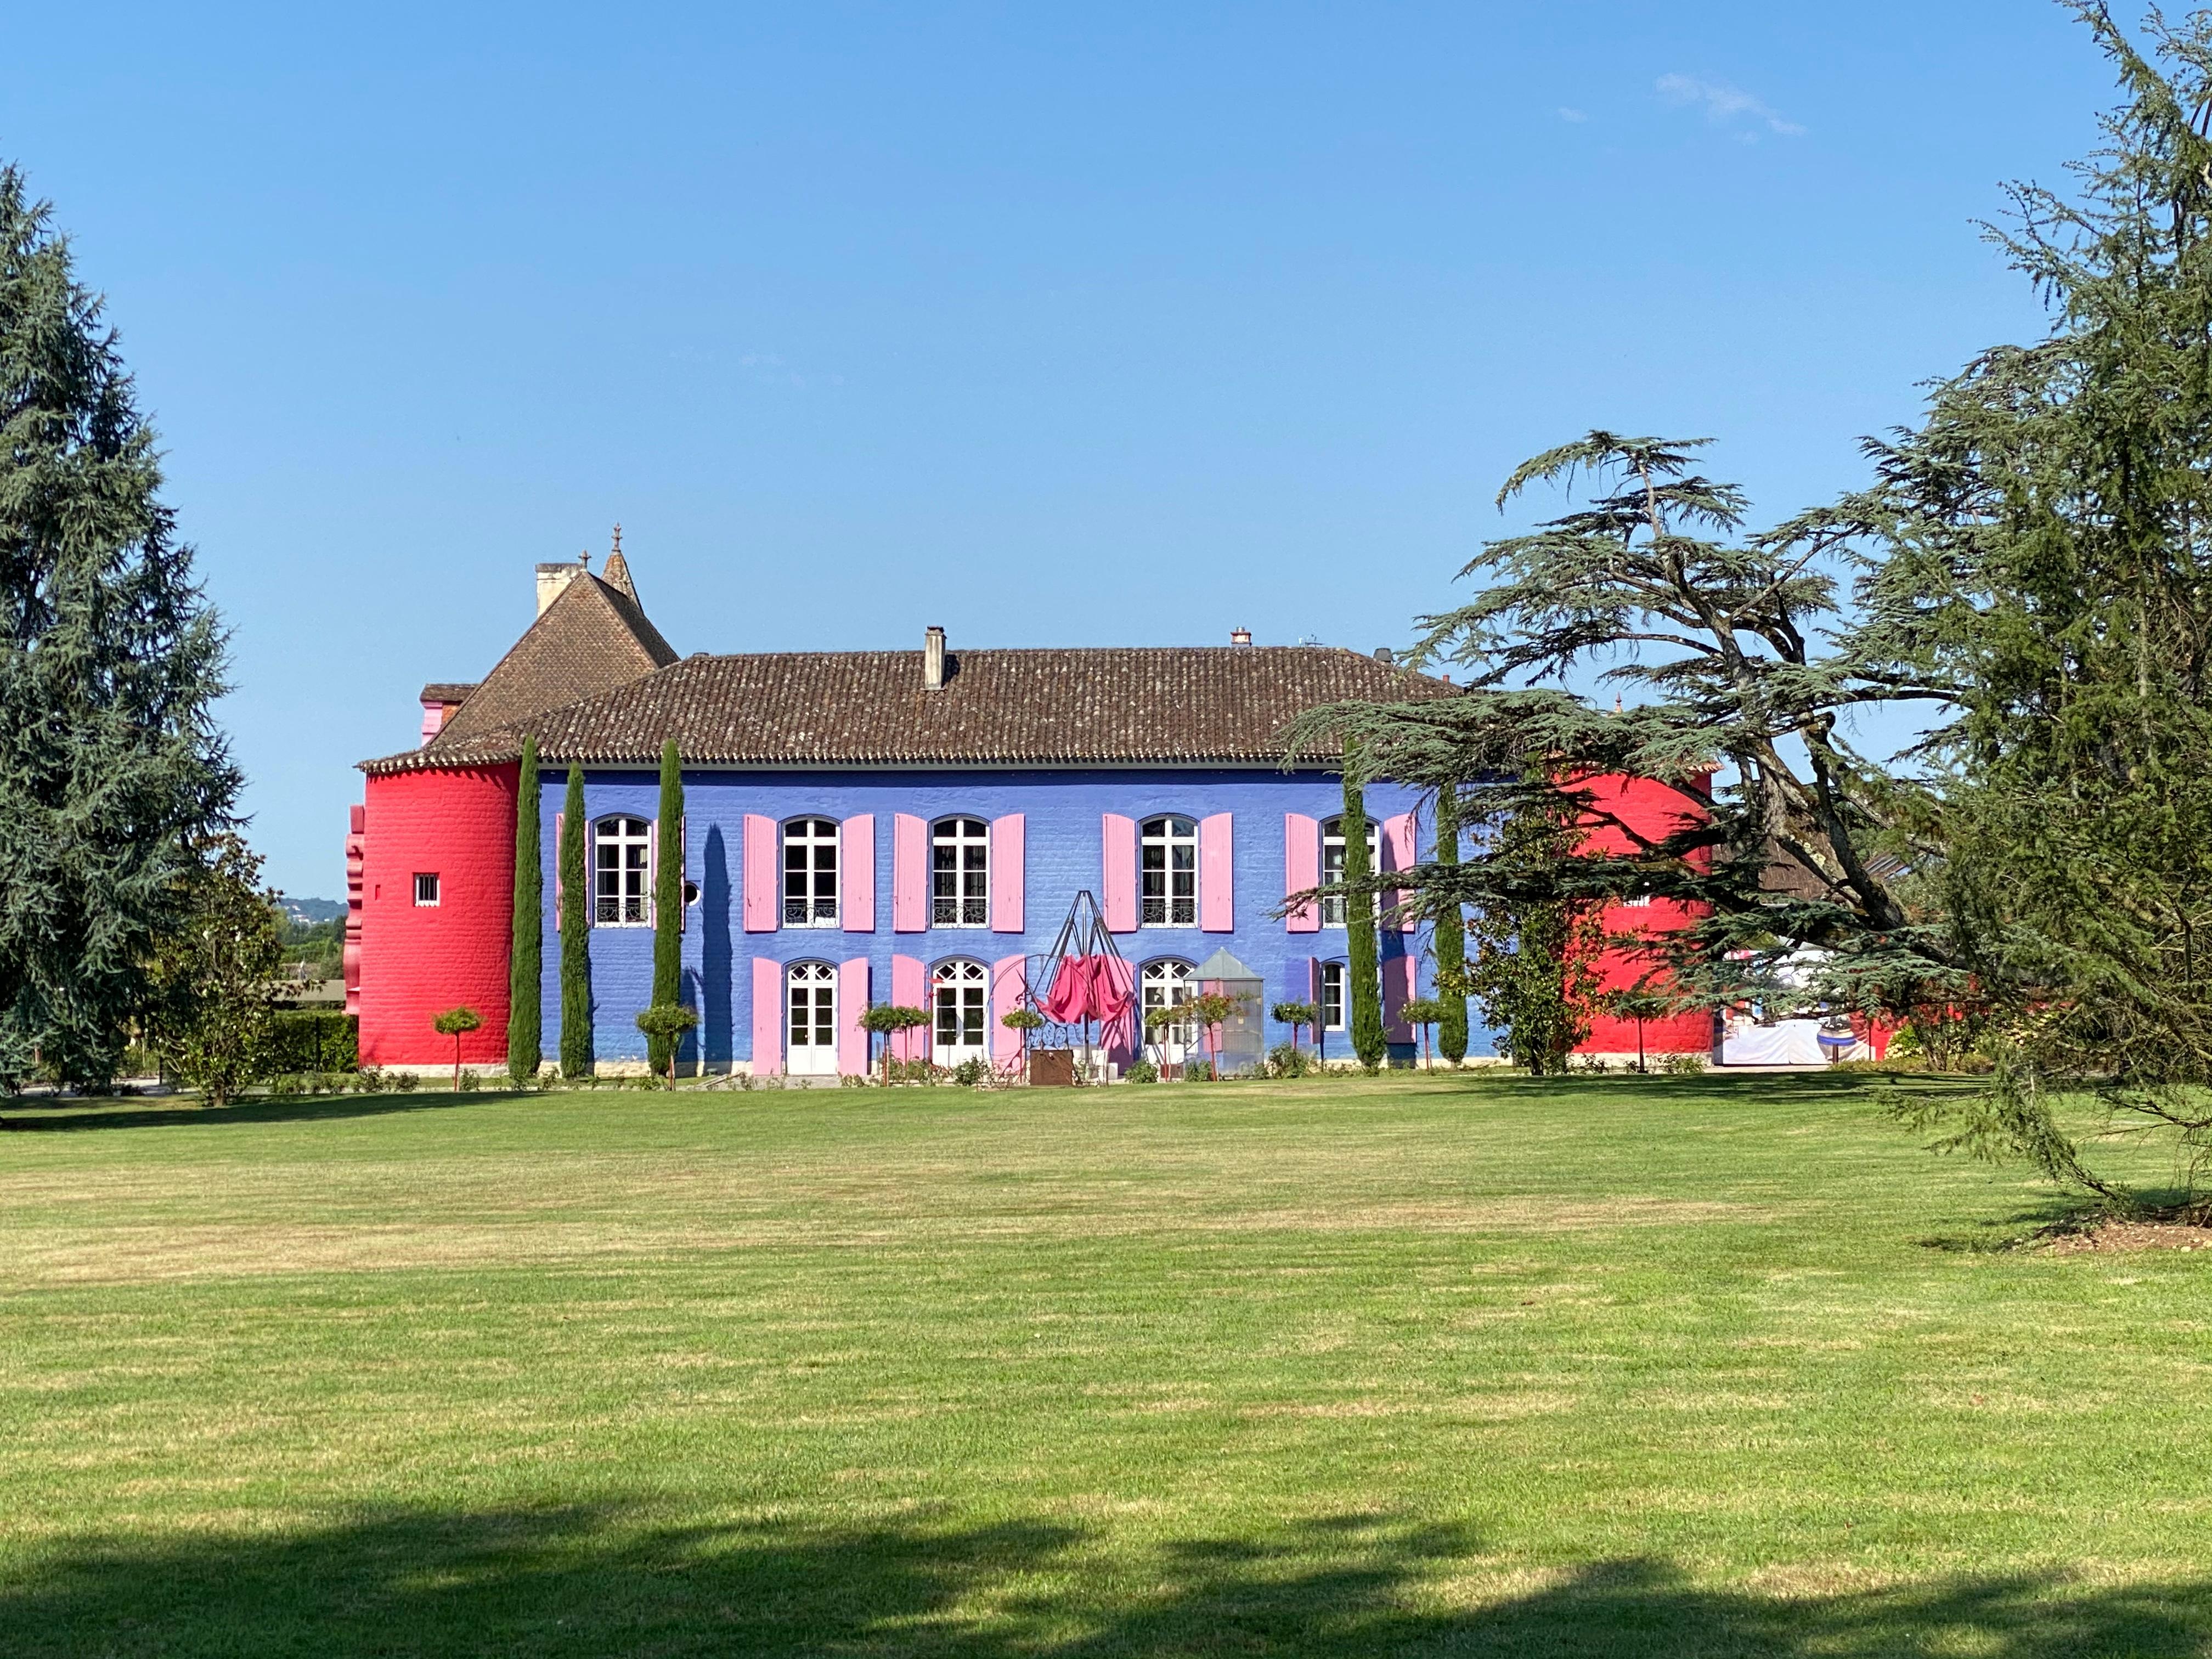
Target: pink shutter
[(1005, 997), (852, 1003), (1313, 982), (683, 870), (763, 891), (1397, 854), (910, 875), (910, 989), (1119, 889), (653, 873), (856, 873), (560, 823), (1217, 876), (1301, 869), (767, 1017), (1398, 974), (1006, 834)]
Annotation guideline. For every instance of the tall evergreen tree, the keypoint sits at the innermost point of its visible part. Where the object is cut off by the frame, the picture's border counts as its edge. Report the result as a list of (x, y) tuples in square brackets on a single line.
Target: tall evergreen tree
[(1450, 938), (2042, 544), (1362, 971), (111, 766), (576, 1055), (525, 964), (668, 908)]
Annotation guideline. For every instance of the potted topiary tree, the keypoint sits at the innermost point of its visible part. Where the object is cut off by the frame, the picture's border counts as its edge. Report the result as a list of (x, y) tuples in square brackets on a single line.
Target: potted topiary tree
[(456, 1023), (886, 1019), (1295, 1015), (1208, 1009), (1023, 1020), (663, 1024), (1427, 1013)]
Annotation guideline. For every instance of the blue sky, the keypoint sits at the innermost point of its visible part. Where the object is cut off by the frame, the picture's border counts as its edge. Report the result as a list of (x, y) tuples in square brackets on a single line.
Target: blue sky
[(1058, 325)]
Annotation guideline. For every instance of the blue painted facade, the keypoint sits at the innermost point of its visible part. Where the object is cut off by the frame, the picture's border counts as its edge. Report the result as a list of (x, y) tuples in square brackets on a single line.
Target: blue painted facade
[(1063, 812)]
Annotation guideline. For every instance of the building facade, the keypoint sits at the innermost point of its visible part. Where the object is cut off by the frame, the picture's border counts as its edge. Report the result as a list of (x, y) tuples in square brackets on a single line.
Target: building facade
[(868, 827)]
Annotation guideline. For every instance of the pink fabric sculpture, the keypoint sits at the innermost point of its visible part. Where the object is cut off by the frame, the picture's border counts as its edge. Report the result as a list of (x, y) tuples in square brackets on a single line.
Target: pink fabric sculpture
[(1084, 988)]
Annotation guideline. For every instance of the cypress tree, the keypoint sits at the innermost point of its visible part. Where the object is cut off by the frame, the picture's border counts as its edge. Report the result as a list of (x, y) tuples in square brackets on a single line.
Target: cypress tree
[(576, 934), (1451, 939), (668, 907), (1364, 977), (525, 962), (111, 771)]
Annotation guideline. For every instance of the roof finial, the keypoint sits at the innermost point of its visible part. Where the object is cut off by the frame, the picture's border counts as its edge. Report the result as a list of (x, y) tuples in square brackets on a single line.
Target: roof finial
[(617, 538), (583, 558)]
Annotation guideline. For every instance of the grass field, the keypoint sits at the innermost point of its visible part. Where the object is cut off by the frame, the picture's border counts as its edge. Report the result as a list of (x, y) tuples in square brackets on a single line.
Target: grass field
[(1689, 1366)]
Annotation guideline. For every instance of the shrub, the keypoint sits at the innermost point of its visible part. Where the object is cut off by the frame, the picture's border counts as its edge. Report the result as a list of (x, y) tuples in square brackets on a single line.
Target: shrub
[(404, 1082), (469, 1082), (1682, 1065), (313, 1040), (1288, 1060), (1142, 1072)]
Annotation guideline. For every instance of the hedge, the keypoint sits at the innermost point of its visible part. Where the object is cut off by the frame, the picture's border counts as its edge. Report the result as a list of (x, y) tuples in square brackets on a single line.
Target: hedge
[(311, 1040)]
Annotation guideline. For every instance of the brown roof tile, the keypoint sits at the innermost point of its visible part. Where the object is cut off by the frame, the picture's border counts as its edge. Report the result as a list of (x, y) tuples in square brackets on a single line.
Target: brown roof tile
[(591, 638), (1169, 705)]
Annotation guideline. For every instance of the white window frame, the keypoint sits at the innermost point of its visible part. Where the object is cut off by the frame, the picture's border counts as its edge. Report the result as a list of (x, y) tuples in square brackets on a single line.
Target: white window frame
[(1159, 841), (809, 1019), (625, 833), (815, 840), (427, 889), (960, 896), (1332, 867), (1333, 990), (1167, 983), (969, 982)]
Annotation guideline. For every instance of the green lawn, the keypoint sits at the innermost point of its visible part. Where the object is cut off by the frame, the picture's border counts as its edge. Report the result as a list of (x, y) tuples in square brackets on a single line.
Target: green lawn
[(1688, 1366)]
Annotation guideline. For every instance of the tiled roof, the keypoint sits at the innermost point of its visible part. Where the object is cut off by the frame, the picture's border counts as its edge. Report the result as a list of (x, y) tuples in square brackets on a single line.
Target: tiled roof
[(1166, 705), (591, 638), (449, 690)]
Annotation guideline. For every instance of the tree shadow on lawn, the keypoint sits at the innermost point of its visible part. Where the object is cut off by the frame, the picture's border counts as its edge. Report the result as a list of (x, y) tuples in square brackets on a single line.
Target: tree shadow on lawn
[(582, 1581), (108, 1114)]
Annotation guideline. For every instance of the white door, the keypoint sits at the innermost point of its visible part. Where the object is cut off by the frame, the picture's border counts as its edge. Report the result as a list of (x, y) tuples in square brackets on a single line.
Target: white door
[(810, 994), (1166, 985), (957, 998)]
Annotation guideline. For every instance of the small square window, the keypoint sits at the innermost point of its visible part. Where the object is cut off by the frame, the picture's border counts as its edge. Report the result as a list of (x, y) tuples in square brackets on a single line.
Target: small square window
[(426, 889)]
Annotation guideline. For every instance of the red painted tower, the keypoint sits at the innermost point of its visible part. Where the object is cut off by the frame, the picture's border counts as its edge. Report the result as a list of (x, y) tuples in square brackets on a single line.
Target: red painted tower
[(437, 912), (1655, 810), (430, 854)]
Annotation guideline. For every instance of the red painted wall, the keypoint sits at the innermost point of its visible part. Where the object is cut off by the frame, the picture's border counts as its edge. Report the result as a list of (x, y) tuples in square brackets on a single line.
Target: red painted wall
[(418, 961), (1653, 809)]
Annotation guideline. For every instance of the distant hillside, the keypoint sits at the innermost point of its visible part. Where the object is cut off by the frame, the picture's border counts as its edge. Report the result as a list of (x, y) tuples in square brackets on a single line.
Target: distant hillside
[(307, 912)]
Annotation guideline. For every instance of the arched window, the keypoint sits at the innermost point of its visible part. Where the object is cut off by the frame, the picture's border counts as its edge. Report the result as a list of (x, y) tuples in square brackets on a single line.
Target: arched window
[(1332, 867), (809, 874), (622, 876), (1166, 985), (1332, 996), (1167, 862), (957, 993), (960, 873), (810, 996)]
